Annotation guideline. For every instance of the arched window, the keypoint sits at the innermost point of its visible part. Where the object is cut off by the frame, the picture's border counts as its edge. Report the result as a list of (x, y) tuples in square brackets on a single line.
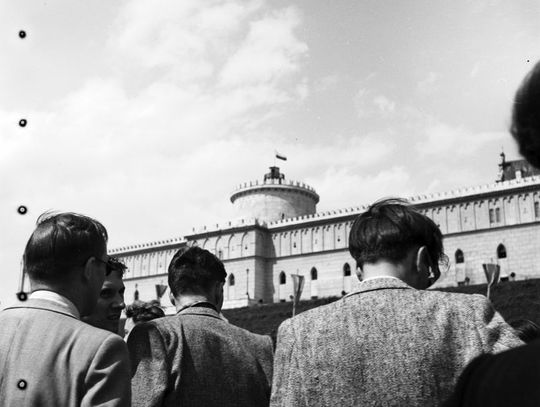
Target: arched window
[(501, 251), (459, 256), (346, 270), (314, 273), (282, 278), (231, 280)]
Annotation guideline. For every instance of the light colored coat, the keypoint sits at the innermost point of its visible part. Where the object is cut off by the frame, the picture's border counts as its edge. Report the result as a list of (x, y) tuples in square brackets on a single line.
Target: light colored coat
[(50, 358), (197, 359), (387, 344)]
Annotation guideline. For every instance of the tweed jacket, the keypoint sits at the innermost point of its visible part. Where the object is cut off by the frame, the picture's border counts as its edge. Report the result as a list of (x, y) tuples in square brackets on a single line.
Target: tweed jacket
[(50, 358), (197, 359), (386, 344)]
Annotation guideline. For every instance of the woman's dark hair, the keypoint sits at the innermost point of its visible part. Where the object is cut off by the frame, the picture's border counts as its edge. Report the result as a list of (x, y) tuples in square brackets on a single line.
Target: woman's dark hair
[(389, 229), (62, 241), (194, 269), (526, 117), (144, 311), (526, 329)]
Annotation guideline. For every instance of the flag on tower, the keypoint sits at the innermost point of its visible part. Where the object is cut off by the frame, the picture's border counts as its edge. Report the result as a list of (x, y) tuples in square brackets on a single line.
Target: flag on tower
[(281, 156)]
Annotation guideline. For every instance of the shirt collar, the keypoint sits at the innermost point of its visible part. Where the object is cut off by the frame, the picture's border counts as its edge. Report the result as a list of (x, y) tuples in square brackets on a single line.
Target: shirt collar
[(377, 277), (57, 299)]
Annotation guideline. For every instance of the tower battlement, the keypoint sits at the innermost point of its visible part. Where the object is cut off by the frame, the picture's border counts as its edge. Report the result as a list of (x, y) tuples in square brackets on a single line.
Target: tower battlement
[(275, 197)]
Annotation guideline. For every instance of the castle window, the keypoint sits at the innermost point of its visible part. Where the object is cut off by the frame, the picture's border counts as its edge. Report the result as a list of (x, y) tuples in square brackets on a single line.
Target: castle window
[(314, 273), (231, 280), (346, 270), (537, 209), (282, 278), (501, 251), (459, 257), (491, 216), (498, 215)]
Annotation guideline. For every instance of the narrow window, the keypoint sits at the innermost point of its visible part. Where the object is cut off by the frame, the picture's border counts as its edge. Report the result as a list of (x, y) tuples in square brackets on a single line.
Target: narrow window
[(537, 209), (459, 256), (231, 280), (282, 278), (346, 270), (498, 215), (314, 273), (491, 216), (501, 251)]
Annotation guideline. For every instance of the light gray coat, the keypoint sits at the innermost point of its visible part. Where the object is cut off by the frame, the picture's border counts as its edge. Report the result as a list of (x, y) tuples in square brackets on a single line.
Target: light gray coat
[(197, 359), (50, 358), (387, 344)]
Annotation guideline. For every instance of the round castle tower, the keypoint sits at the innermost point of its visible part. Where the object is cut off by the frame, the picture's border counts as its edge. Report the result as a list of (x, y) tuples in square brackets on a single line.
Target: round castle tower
[(274, 198)]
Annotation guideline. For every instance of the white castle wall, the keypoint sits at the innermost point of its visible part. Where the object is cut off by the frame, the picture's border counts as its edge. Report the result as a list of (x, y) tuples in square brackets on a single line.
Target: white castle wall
[(474, 220)]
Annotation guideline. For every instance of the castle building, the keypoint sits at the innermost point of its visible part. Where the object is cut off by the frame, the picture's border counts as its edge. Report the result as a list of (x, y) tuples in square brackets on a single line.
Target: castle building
[(281, 233)]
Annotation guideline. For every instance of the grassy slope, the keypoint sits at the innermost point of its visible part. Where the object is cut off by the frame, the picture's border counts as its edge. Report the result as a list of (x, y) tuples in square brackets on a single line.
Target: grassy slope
[(514, 300)]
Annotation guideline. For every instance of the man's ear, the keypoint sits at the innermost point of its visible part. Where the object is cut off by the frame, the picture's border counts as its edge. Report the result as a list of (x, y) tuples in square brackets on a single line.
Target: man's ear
[(423, 262), (359, 272), (171, 298), (88, 269)]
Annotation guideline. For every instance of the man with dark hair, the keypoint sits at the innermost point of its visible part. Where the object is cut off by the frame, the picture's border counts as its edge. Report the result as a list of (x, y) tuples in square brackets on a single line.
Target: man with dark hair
[(107, 312), (390, 342), (510, 378), (526, 117), (195, 358), (48, 356)]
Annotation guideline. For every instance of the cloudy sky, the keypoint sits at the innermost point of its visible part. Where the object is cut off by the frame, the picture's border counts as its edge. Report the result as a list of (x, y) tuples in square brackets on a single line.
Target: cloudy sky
[(146, 114)]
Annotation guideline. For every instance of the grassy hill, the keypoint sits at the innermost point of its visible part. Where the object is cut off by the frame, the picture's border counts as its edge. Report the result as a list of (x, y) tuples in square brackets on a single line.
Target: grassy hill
[(514, 300)]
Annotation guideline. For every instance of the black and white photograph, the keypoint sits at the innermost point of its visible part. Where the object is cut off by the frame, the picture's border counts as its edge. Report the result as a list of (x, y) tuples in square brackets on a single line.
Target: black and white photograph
[(270, 203)]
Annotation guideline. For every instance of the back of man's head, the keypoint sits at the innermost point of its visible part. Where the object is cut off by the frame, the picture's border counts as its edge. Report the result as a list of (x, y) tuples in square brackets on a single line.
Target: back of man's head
[(389, 229), (61, 242), (194, 270), (526, 117)]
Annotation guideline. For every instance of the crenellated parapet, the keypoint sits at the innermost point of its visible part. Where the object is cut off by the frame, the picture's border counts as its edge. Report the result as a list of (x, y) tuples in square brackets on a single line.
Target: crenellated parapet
[(272, 183), (274, 197), (155, 245)]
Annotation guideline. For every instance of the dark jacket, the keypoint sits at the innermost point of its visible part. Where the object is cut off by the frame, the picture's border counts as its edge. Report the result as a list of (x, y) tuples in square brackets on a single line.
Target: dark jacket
[(510, 378), (197, 359)]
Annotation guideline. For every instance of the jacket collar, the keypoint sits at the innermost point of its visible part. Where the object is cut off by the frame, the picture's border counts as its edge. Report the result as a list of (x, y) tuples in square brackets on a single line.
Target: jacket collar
[(380, 283), (204, 311), (47, 305)]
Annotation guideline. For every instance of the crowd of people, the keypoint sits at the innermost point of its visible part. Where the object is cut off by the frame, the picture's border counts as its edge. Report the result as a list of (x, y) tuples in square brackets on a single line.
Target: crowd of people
[(389, 343)]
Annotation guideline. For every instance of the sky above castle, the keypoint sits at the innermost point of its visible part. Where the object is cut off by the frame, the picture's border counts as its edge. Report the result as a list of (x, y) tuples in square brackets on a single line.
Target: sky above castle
[(146, 115)]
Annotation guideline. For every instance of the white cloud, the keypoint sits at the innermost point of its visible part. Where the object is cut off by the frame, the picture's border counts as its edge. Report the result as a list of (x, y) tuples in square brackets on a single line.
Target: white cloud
[(269, 51), (443, 139), (384, 104), (430, 83), (340, 187)]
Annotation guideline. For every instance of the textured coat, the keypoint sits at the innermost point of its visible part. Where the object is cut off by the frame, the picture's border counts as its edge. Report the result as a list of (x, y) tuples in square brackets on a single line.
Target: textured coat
[(197, 359), (386, 344), (50, 358)]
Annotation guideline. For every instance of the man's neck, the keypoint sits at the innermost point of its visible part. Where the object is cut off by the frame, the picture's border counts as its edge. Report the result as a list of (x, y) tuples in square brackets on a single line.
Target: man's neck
[(384, 269), (66, 293), (185, 300)]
